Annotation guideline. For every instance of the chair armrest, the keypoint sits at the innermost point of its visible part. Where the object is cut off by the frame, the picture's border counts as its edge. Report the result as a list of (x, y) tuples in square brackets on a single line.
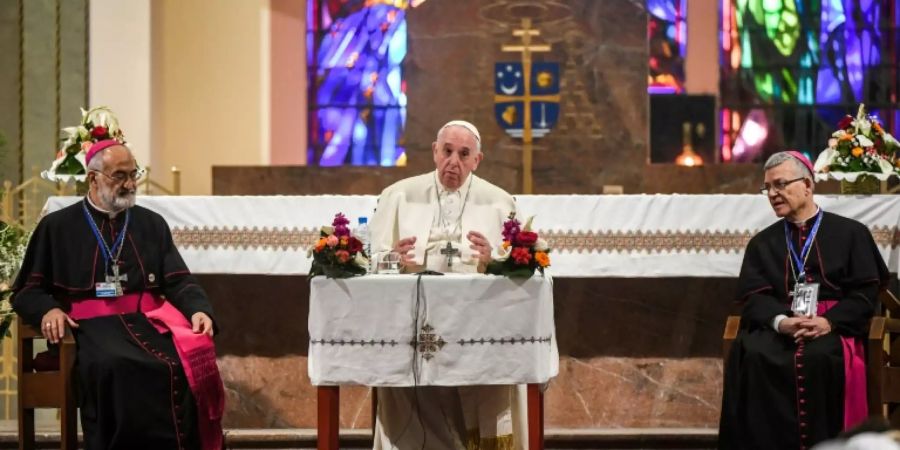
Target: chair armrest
[(732, 325), (27, 331)]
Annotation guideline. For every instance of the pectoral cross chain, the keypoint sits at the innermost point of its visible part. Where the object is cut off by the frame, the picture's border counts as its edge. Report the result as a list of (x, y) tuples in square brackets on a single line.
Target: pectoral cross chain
[(450, 252)]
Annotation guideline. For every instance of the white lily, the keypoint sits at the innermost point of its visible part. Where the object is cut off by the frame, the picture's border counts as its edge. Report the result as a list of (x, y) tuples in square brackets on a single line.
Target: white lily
[(885, 166), (864, 141), (839, 134), (527, 226), (360, 260), (541, 245), (825, 159)]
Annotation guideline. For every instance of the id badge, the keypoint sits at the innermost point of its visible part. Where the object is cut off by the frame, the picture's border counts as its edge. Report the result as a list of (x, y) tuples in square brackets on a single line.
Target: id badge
[(106, 290), (806, 299)]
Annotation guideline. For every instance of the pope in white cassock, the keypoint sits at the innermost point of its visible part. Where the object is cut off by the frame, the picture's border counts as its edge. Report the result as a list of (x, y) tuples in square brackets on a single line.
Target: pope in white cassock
[(448, 220)]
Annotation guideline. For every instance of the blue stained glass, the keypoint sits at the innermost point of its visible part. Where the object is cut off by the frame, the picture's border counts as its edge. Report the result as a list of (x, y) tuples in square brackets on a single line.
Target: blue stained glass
[(357, 98), (804, 64)]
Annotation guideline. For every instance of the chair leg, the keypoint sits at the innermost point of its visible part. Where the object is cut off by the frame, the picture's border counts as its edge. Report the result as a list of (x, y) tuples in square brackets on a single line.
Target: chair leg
[(68, 427), (26, 428)]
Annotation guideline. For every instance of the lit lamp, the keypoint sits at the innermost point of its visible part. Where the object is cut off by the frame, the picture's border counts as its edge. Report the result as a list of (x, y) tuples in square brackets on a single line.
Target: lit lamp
[(688, 157)]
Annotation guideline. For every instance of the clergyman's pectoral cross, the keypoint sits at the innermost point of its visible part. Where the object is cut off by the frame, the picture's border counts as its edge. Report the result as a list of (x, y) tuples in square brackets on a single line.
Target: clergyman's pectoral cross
[(450, 252), (118, 279)]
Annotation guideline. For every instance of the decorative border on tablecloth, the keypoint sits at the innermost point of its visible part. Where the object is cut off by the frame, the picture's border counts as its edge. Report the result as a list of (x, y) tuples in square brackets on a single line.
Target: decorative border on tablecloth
[(246, 238), (505, 341), (355, 342)]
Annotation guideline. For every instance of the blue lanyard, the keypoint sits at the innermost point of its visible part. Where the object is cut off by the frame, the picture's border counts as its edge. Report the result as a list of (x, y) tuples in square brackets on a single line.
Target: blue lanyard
[(109, 254), (800, 260)]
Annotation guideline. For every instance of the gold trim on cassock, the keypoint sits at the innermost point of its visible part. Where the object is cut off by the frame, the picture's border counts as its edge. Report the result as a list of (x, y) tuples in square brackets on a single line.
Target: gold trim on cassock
[(474, 441)]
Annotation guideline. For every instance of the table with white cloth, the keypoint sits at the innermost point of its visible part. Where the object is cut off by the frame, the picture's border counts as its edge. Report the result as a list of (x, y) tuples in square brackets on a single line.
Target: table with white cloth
[(430, 330)]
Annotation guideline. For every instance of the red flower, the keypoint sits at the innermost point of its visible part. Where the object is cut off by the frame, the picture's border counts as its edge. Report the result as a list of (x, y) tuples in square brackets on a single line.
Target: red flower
[(342, 255), (526, 238), (845, 123), (98, 132), (521, 255), (355, 245)]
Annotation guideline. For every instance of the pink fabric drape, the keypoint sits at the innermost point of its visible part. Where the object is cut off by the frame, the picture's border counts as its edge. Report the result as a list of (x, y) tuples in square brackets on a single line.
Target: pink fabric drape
[(856, 409), (196, 352)]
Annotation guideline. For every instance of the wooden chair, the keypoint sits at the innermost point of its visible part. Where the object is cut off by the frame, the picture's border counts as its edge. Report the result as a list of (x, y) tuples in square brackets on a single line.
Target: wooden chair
[(882, 357), (46, 389)]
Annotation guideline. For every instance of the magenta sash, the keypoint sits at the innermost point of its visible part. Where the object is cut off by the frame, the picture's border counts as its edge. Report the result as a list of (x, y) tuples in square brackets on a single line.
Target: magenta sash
[(198, 356), (856, 410), (196, 352), (126, 304)]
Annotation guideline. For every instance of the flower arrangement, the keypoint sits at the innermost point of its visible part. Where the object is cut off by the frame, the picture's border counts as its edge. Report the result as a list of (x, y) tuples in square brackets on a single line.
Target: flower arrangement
[(337, 253), (859, 148), (13, 242), (97, 124), (525, 251)]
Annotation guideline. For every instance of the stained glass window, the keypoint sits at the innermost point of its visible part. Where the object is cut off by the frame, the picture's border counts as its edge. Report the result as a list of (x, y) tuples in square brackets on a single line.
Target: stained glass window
[(667, 37), (790, 69), (357, 94)]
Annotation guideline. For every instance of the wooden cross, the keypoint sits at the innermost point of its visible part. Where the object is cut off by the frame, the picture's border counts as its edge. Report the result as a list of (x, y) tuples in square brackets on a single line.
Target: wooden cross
[(450, 252), (526, 49)]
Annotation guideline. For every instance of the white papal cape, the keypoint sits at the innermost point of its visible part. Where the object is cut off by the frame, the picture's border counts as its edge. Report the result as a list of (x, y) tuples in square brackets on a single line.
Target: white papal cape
[(475, 417)]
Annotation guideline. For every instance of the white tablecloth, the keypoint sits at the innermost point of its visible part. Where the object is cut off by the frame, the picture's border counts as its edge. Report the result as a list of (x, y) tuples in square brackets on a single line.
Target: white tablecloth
[(592, 235), (469, 330)]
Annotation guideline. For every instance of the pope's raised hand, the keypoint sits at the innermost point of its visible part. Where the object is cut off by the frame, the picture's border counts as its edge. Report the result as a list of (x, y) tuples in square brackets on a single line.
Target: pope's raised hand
[(480, 245), (403, 248)]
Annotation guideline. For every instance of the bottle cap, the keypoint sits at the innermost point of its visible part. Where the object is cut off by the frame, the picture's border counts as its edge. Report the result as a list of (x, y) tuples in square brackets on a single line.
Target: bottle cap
[(363, 220)]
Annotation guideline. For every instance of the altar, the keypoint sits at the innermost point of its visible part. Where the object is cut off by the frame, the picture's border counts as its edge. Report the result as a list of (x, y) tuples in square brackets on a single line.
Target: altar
[(642, 284), (590, 236)]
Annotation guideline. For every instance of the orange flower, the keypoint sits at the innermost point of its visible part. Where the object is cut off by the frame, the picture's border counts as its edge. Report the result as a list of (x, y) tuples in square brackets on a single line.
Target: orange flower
[(877, 127), (542, 259), (847, 137), (320, 245), (505, 245), (344, 241), (857, 151)]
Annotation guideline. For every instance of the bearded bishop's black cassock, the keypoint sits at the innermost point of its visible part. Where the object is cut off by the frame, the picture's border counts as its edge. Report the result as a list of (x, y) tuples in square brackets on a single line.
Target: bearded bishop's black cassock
[(782, 395), (144, 379)]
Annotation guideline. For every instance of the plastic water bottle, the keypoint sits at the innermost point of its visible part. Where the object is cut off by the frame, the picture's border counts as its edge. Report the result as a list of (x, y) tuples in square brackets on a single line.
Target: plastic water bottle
[(362, 233)]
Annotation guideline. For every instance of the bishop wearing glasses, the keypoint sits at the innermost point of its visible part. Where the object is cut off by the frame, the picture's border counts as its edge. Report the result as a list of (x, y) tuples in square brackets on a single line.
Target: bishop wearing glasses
[(809, 285), (109, 271)]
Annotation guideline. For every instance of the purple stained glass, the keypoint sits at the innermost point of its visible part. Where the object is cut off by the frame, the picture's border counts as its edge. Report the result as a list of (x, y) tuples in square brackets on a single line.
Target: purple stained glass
[(357, 94)]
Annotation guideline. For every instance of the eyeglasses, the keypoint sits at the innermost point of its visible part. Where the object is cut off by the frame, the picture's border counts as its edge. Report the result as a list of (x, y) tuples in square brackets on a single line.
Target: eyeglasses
[(121, 177), (779, 185)]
